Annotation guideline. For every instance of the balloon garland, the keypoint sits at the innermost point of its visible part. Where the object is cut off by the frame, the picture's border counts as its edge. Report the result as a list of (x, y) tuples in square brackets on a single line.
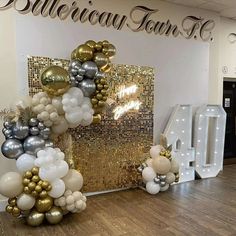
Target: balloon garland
[(44, 188), (161, 170)]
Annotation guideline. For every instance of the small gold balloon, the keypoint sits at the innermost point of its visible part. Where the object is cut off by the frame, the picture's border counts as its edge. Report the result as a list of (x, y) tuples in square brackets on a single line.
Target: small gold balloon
[(104, 92), (43, 194), (91, 44), (94, 101), (27, 190), (105, 43), (104, 98), (9, 209), (103, 81), (40, 182), (101, 103), (35, 170), (111, 51), (49, 188), (16, 210), (55, 80), (97, 119), (12, 201), (101, 59), (35, 178), (99, 96), (105, 86), (38, 188), (84, 53), (32, 185), (45, 184), (28, 174), (35, 194), (73, 54), (54, 215), (43, 205), (35, 218), (97, 81), (106, 68), (98, 46), (26, 181), (99, 86)]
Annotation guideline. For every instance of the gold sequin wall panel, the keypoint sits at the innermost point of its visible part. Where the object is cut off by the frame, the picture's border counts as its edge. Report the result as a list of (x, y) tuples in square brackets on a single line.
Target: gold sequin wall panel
[(108, 154)]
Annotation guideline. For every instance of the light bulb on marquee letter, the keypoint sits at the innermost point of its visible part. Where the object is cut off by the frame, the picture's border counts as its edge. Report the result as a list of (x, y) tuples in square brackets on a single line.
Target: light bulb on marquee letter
[(209, 136), (179, 134)]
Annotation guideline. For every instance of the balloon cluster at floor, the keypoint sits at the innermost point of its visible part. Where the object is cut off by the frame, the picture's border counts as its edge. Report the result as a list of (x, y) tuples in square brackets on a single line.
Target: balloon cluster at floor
[(159, 171), (45, 189)]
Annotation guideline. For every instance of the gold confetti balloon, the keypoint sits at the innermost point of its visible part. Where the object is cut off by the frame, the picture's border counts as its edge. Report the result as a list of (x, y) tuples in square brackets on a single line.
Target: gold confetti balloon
[(43, 205), (54, 215), (35, 218), (84, 53), (55, 80)]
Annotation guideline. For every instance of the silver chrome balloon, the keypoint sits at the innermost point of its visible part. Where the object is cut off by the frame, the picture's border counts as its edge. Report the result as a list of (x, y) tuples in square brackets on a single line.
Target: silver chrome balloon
[(33, 144), (33, 122), (74, 63), (41, 126), (12, 148), (73, 71), (90, 68), (20, 131), (8, 124), (81, 71), (7, 133), (99, 75), (34, 131), (79, 77), (49, 143), (162, 184), (140, 169), (88, 87), (156, 180), (162, 177)]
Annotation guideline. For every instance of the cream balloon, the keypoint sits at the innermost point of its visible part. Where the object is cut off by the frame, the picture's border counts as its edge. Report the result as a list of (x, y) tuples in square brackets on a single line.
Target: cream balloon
[(73, 180), (149, 162), (25, 202), (170, 178), (166, 187), (148, 174), (155, 150), (174, 166), (161, 165), (61, 127), (11, 184)]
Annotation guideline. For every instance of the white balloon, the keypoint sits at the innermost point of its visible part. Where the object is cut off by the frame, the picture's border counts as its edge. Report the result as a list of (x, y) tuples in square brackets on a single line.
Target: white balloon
[(25, 202), (155, 150), (148, 174), (49, 173), (25, 162), (75, 117), (62, 169), (152, 187), (58, 188)]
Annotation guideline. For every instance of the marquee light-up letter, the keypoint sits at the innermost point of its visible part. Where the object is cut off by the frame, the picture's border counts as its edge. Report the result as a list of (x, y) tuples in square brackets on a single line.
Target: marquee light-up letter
[(179, 134), (209, 136)]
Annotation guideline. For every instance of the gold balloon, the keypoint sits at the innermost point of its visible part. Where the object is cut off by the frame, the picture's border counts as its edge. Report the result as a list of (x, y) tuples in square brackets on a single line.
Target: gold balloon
[(110, 51), (101, 103), (16, 211), (9, 209), (35, 170), (97, 118), (106, 86), (35, 218), (104, 98), (28, 174), (12, 201), (73, 54), (26, 181), (99, 96), (105, 43), (35, 178), (45, 184), (98, 46), (91, 44), (55, 80), (104, 92), (38, 189), (43, 194), (94, 101), (100, 59), (35, 194), (103, 81), (99, 86), (43, 205), (54, 215), (106, 68), (40, 182), (32, 185), (27, 190), (84, 53), (49, 188)]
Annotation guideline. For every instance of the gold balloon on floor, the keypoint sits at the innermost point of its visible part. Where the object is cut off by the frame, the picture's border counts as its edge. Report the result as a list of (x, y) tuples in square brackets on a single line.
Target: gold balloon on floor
[(55, 80), (35, 218), (54, 215), (43, 205)]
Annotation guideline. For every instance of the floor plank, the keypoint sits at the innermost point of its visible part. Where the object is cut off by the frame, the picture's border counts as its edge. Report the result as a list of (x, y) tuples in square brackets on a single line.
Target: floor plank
[(201, 207)]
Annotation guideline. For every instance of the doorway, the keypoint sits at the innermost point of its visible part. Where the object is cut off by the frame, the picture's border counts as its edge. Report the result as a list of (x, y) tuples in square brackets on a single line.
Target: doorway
[(229, 104)]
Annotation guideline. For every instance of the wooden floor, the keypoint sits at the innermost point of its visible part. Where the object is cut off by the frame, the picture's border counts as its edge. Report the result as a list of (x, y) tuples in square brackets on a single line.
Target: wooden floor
[(201, 207)]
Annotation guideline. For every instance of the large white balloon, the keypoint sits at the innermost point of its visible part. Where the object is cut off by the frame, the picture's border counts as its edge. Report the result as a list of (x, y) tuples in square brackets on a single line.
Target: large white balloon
[(11, 184), (58, 188), (62, 169), (61, 126), (155, 150), (25, 162), (49, 173), (25, 202), (148, 174), (152, 187)]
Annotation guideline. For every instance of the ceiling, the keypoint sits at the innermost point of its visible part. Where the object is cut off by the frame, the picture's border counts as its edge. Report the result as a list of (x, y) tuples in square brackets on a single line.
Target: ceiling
[(226, 8)]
